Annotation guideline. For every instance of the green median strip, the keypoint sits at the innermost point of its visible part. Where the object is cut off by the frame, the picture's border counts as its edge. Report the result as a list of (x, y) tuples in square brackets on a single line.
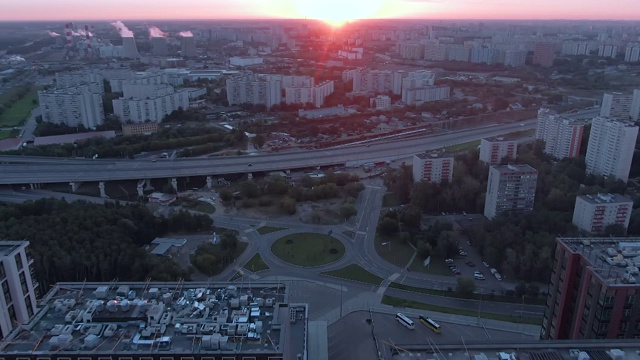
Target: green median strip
[(256, 264), (356, 273), (397, 302), (486, 297), (269, 229)]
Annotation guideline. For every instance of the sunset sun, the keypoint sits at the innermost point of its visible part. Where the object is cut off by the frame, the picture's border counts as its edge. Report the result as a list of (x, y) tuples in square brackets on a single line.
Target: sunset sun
[(338, 12)]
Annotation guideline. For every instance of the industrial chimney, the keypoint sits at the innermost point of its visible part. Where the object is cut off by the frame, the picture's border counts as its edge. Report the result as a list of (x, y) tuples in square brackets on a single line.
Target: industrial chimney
[(129, 48)]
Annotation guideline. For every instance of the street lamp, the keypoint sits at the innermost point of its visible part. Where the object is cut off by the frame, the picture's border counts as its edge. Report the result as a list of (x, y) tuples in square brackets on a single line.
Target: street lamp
[(341, 299), (480, 305)]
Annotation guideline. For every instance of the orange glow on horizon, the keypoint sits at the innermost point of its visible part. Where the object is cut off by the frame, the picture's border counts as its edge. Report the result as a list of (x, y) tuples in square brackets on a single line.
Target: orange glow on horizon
[(338, 12)]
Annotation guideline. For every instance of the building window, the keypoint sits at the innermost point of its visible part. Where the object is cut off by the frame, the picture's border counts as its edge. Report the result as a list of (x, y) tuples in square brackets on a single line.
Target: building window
[(186, 358), (631, 299), (248, 358), (166, 358), (3, 275), (64, 358), (84, 358), (205, 358), (18, 261), (102, 358), (6, 292), (146, 358), (125, 358)]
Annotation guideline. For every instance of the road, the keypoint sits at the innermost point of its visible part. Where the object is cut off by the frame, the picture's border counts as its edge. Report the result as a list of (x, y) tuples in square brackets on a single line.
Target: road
[(56, 170)]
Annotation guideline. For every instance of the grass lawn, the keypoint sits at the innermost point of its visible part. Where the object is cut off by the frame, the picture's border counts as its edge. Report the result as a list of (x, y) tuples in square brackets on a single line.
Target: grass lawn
[(236, 276), (269, 229), (355, 272), (256, 264), (20, 110), (489, 297), (204, 207), (396, 302), (436, 267), (5, 134), (308, 249), (394, 251), (349, 233), (463, 147)]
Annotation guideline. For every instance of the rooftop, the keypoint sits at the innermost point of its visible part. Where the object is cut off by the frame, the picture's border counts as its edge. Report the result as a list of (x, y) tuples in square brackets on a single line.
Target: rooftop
[(163, 318), (497, 139), (434, 155), (605, 198), (615, 260), (533, 353), (9, 247), (503, 169)]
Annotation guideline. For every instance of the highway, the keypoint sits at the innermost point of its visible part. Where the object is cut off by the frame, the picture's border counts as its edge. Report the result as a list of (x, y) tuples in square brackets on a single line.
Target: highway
[(24, 170)]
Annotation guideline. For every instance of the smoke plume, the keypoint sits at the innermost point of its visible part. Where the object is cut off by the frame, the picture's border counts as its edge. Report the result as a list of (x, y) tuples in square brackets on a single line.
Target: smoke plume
[(185, 34), (52, 33), (154, 31), (83, 32), (122, 29)]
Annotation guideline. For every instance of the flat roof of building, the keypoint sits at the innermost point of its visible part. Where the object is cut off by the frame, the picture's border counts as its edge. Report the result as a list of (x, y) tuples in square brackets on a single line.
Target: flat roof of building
[(163, 318), (615, 260), (9, 247), (434, 155), (503, 169), (605, 198), (497, 139)]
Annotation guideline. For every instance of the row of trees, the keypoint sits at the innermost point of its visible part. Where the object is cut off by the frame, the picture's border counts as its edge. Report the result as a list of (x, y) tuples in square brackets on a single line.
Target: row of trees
[(80, 240)]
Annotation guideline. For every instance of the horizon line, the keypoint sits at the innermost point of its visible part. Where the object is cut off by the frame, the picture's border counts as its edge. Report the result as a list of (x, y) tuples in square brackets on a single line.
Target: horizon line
[(312, 19)]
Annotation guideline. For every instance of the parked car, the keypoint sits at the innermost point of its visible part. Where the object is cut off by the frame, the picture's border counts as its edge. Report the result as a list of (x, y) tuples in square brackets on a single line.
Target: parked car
[(462, 253), (448, 261), (469, 263), (478, 276)]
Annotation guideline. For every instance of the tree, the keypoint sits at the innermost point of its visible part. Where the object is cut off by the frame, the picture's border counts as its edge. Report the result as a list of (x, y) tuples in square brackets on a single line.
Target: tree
[(411, 217), (249, 189), (388, 226), (347, 211), (615, 230), (259, 140), (465, 287)]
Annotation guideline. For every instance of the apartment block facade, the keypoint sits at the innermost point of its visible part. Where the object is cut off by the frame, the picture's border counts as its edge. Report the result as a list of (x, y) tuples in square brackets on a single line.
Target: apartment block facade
[(562, 136), (510, 188), (378, 81), (433, 167), (495, 149), (593, 292), (593, 213), (19, 290), (73, 106), (150, 109), (610, 149), (616, 105)]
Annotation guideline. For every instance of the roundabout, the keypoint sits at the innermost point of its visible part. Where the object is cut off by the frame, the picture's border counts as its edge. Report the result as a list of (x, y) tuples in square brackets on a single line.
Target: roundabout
[(308, 249)]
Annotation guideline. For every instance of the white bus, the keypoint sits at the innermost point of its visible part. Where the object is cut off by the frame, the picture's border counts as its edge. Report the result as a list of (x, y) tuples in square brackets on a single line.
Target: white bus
[(405, 321)]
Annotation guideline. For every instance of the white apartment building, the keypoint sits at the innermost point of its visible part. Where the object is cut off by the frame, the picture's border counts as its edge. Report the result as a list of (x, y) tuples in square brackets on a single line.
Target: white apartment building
[(635, 105), (146, 91), (422, 95), (348, 74), (254, 89), (495, 149), (456, 52), (510, 188), (616, 105), (610, 149), (378, 81), (380, 102), (417, 79), (19, 290), (514, 58), (435, 52), (484, 55), (608, 51), (413, 51), (154, 109), (575, 48), (593, 213), (245, 61), (632, 53), (562, 136), (72, 106), (70, 79), (433, 167), (321, 91)]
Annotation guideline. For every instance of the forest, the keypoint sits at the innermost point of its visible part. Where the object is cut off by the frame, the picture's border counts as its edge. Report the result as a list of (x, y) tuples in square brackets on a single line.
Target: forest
[(83, 241), (520, 246)]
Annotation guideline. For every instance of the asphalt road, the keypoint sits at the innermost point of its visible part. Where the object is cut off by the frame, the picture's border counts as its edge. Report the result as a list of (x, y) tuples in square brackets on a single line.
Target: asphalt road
[(56, 170)]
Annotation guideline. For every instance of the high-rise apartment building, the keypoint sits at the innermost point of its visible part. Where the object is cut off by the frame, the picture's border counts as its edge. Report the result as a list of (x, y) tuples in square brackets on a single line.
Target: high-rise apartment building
[(593, 293), (72, 106), (254, 89), (635, 105), (544, 54), (153, 108), (510, 188), (458, 52), (188, 47), (593, 213), (495, 149), (435, 52), (380, 102), (616, 105), (632, 53), (610, 51), (562, 136), (575, 48), (94, 81), (515, 58), (610, 149), (421, 95), (433, 167), (19, 290), (378, 81), (413, 51)]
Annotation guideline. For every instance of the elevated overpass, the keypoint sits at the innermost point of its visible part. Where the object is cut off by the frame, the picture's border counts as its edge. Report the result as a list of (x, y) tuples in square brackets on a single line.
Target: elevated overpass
[(40, 170)]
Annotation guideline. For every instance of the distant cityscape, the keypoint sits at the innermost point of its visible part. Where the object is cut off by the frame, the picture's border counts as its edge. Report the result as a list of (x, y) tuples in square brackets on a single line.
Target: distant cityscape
[(294, 189)]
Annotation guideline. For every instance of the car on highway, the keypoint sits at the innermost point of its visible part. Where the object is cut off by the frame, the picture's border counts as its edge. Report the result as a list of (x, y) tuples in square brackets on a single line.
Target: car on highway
[(249, 164)]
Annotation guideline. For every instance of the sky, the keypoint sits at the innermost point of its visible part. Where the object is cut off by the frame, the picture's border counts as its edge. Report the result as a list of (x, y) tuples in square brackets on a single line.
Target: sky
[(336, 11)]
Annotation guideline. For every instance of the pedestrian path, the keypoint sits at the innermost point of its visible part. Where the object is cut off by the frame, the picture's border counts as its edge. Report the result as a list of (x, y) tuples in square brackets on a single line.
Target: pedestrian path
[(386, 282)]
